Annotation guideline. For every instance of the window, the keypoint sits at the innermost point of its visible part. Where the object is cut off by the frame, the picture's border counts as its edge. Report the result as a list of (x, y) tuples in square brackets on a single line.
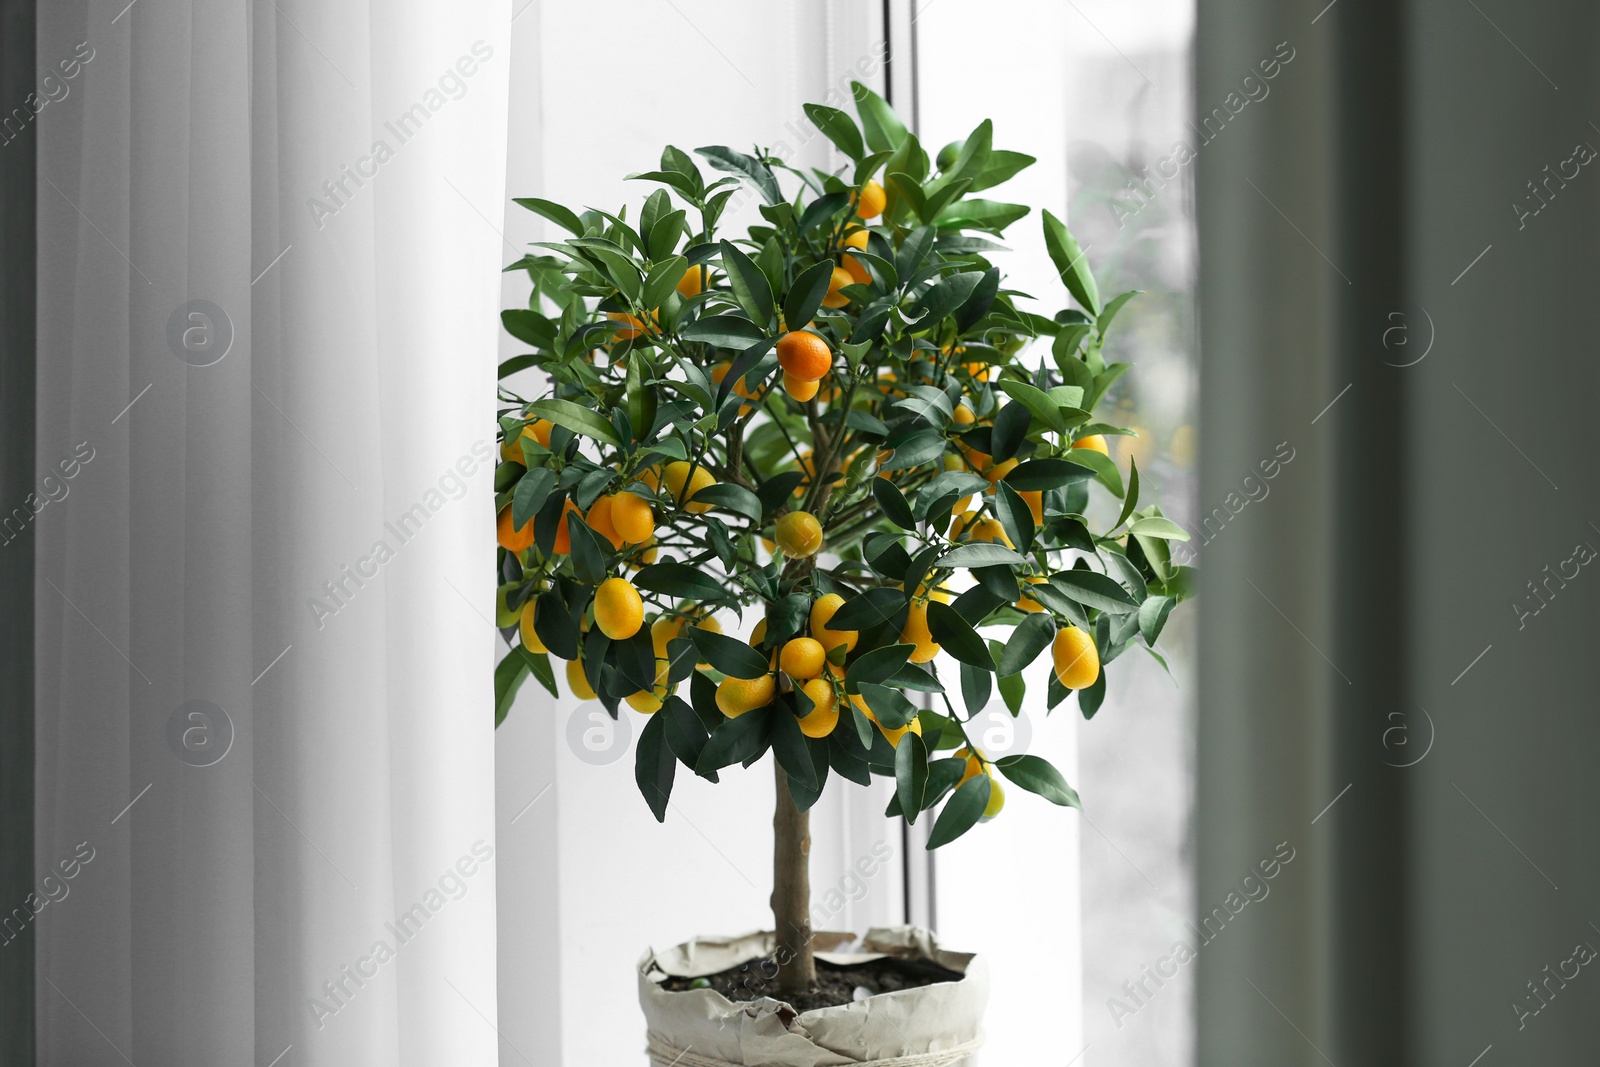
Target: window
[(1070, 908), (1066, 908)]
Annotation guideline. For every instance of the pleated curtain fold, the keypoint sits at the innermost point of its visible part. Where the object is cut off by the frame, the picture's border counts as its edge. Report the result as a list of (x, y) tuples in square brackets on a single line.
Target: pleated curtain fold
[(267, 296)]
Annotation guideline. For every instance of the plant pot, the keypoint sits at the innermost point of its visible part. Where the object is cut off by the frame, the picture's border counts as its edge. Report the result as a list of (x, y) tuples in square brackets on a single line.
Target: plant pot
[(937, 1025)]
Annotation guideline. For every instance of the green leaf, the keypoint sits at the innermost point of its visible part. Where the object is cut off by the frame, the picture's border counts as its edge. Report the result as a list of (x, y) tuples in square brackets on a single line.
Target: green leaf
[(944, 297), (1064, 349), (1131, 576), (979, 554), (913, 677), (976, 306), (665, 234), (724, 331), (806, 796), (507, 475), (1153, 616), (1070, 396), (530, 495), (1131, 500), (976, 603), (1012, 689), (779, 489), (685, 186), (576, 418), (864, 731), (622, 270), (806, 294), (1038, 776), (1010, 431), (677, 160), (1158, 554), (1104, 381), (838, 128), (750, 366), (516, 363), (938, 196), (686, 734), (730, 497), (589, 551), (819, 211), (1071, 264), (1102, 321), (1048, 473), (957, 637), (943, 774), (787, 617), (889, 705), (560, 608), (893, 503), (641, 402), (736, 740), (882, 127), (869, 609), (1038, 404), (771, 258), (976, 683), (636, 661), (1001, 167), (910, 774), (1156, 526), (758, 173), (508, 677), (654, 766), (971, 160), (679, 580), (750, 286), (790, 748), (682, 657), (557, 214), (903, 187), (703, 699), (870, 326), (539, 668), (1094, 590), (988, 215), (961, 813), (529, 326), (919, 448), (914, 250), (1031, 637), (1105, 470), (1090, 699), (729, 655), (868, 165), (1016, 518), (663, 279), (879, 665)]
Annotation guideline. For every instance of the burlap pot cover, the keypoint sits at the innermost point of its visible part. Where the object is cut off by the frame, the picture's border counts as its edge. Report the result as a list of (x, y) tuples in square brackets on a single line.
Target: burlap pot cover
[(937, 1025)]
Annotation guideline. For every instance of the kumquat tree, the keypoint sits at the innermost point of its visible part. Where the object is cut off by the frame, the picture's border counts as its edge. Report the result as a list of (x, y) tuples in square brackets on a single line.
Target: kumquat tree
[(841, 426)]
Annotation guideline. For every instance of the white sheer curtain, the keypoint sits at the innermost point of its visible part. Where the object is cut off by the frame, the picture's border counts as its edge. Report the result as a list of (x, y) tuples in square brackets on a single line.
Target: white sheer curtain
[(267, 296)]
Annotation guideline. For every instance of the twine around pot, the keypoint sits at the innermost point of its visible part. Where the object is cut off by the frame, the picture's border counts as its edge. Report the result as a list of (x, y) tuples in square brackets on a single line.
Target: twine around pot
[(664, 1055)]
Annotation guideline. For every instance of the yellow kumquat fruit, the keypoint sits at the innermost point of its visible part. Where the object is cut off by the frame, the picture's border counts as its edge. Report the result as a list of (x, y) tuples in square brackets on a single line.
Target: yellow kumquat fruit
[(1075, 657), (618, 610)]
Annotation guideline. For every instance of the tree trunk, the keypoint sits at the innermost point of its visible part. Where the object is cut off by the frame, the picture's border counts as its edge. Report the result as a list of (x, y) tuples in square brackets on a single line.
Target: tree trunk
[(791, 890)]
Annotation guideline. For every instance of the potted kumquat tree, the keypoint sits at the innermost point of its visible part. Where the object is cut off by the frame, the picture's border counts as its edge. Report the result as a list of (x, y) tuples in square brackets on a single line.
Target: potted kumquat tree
[(841, 426)]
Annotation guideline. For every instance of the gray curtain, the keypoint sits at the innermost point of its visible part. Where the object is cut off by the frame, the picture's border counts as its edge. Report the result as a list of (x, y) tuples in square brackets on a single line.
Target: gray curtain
[(17, 156), (1397, 625)]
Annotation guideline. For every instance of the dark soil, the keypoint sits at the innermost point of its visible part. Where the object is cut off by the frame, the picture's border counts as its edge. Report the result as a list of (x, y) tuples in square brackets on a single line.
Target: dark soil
[(836, 984)]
